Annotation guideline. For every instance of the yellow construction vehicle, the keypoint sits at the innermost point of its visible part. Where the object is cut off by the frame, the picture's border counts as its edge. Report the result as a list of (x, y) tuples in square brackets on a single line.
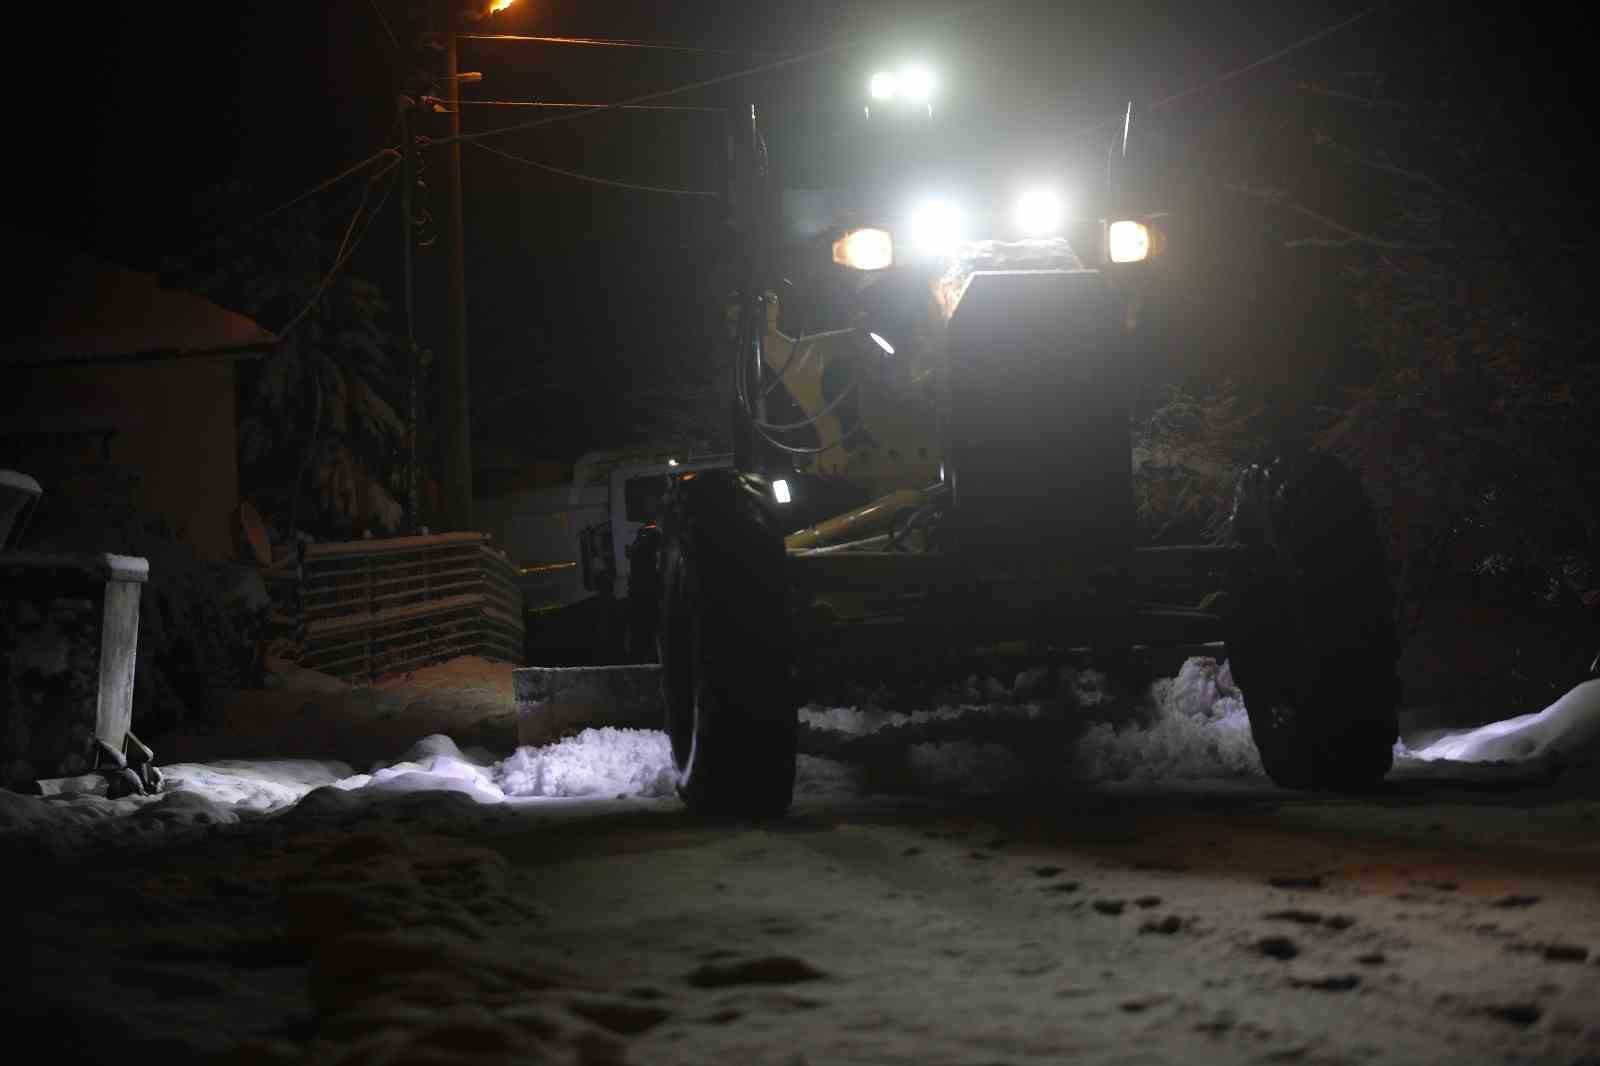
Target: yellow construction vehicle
[(932, 453)]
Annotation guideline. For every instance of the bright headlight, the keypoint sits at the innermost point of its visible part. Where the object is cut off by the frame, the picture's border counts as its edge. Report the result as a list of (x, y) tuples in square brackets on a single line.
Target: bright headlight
[(937, 226), (883, 86), (1038, 213), (865, 249), (916, 84), (1128, 242)]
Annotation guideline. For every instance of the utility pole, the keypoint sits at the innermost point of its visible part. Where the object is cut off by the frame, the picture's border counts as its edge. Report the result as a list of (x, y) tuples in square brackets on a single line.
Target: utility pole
[(456, 472), (408, 180)]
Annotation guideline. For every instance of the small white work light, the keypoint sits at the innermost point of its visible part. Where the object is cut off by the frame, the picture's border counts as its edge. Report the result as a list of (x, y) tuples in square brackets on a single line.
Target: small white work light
[(780, 490)]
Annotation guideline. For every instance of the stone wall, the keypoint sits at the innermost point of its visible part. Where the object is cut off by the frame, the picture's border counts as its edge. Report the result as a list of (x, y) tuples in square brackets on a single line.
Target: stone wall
[(50, 623)]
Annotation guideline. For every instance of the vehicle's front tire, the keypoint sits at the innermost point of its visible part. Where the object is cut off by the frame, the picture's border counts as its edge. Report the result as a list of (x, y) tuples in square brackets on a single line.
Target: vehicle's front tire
[(1311, 640), (723, 643)]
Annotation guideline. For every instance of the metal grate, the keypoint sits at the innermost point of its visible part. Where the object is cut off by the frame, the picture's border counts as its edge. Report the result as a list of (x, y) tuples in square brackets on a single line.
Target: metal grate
[(374, 608)]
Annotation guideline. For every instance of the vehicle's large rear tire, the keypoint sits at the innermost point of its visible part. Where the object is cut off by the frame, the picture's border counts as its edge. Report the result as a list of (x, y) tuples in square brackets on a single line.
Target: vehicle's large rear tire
[(1311, 640), (724, 647)]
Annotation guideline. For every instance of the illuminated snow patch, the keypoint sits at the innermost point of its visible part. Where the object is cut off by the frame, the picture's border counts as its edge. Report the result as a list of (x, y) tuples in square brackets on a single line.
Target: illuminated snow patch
[(596, 762), (1197, 729), (253, 784), (1568, 727), (1190, 727)]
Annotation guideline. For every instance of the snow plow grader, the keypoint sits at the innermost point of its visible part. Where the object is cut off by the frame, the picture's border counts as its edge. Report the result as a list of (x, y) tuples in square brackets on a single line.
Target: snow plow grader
[(975, 395)]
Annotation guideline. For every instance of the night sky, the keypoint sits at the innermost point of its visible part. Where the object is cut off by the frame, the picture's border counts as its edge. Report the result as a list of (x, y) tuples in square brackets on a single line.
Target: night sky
[(124, 113)]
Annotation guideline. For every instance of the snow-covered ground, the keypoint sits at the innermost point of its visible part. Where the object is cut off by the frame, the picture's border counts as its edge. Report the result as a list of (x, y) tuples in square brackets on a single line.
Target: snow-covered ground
[(1192, 727), (449, 903)]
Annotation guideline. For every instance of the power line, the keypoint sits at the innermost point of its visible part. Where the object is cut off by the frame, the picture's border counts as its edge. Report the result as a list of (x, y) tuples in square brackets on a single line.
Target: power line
[(578, 110), (1327, 31), (354, 168), (558, 104), (610, 182), (764, 68), (347, 247), (607, 42), (376, 10)]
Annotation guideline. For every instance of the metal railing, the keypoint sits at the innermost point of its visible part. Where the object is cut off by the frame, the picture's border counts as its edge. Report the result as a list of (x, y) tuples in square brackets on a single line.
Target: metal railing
[(374, 608)]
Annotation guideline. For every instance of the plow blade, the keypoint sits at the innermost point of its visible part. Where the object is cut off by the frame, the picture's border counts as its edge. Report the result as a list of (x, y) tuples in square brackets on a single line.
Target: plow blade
[(558, 701)]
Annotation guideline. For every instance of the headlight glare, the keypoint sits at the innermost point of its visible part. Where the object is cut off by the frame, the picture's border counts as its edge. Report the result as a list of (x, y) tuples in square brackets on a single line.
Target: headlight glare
[(1038, 213), (937, 226), (1128, 241), (916, 84), (868, 248), (882, 86)]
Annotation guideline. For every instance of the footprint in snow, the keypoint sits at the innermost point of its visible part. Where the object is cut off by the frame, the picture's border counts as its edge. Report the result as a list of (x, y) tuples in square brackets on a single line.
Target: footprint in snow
[(1566, 953), (1520, 1014), (1277, 947), (768, 970), (1343, 982), (1108, 906), (625, 1019), (1295, 881), (1516, 901), (1294, 914)]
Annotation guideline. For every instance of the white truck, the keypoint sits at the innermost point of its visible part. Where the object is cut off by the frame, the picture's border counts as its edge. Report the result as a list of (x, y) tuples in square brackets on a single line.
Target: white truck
[(571, 547)]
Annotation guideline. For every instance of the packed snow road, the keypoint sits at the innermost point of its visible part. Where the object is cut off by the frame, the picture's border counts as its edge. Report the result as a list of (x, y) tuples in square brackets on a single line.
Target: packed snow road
[(945, 906)]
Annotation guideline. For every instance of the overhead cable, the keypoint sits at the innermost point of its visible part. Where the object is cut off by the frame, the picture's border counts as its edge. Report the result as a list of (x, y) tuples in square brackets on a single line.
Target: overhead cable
[(606, 42), (347, 246), (592, 179), (720, 79)]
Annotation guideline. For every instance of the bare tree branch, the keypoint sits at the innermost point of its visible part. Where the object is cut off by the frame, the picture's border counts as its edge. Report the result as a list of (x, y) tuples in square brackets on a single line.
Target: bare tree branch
[(1367, 101), (1352, 236), (1386, 166)]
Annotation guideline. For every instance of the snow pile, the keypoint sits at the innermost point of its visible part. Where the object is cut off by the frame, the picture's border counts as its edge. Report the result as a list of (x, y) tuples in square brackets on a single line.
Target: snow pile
[(258, 785), (1568, 729), (987, 738), (596, 762), (1189, 727), (1196, 728), (61, 824), (433, 764)]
